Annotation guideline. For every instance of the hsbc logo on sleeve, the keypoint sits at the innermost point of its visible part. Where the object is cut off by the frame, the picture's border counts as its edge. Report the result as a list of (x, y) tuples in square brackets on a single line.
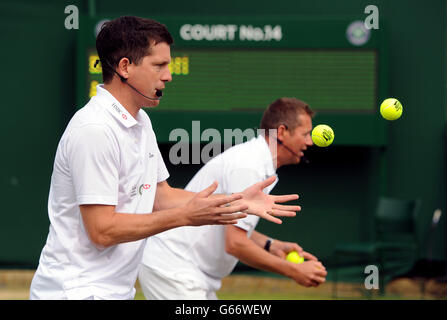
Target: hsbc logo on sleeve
[(139, 190), (143, 188)]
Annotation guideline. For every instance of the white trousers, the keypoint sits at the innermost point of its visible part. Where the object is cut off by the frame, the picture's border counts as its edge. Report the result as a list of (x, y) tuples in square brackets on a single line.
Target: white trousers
[(156, 286)]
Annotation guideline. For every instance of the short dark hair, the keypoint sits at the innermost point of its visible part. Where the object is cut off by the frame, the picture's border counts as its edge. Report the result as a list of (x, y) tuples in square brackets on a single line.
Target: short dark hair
[(130, 37), (284, 111)]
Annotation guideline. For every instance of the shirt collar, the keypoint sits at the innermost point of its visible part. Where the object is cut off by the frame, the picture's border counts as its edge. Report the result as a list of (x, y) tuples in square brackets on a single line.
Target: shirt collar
[(114, 107)]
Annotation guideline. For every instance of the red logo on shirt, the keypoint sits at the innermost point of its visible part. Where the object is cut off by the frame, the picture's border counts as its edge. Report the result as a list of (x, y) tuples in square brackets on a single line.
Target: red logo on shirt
[(143, 187), (124, 116)]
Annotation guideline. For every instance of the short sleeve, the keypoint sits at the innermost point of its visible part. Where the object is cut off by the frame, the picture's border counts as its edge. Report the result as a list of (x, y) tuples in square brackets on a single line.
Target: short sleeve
[(162, 173), (93, 157)]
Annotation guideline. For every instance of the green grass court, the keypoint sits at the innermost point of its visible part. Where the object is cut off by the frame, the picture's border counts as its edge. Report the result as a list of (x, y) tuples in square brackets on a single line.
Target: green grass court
[(14, 285)]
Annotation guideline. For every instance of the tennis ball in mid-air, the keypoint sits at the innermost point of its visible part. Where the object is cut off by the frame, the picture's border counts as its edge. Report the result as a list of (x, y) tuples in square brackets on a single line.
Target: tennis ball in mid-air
[(391, 109), (294, 257), (323, 135)]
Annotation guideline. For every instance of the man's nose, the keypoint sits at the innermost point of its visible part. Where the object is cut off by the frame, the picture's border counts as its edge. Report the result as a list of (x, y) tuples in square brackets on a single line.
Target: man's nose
[(167, 76), (309, 141)]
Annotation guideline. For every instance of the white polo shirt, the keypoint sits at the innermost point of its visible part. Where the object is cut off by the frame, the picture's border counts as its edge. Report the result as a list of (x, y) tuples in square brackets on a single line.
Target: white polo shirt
[(105, 156), (196, 255)]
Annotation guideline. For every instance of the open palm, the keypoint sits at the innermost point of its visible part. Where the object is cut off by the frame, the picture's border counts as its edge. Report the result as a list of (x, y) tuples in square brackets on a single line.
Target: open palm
[(265, 205)]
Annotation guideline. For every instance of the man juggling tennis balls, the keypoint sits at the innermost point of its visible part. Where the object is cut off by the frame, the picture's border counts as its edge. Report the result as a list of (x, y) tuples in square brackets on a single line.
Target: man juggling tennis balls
[(323, 135), (209, 254), (391, 109)]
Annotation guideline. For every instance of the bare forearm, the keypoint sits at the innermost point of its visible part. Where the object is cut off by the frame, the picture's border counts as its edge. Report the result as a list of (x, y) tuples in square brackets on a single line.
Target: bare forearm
[(172, 198), (117, 227), (106, 227), (146, 225), (251, 253), (254, 256), (309, 273), (259, 238)]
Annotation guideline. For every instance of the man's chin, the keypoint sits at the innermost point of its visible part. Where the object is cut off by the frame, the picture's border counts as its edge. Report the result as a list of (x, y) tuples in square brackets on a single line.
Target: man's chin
[(151, 104), (295, 160)]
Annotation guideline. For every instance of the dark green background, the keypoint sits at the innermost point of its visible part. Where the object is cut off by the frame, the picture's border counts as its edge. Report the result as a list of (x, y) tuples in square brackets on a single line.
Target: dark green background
[(345, 87), (338, 188)]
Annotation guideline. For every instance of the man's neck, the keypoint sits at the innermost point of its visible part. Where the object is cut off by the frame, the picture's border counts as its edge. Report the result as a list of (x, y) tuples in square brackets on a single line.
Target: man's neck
[(124, 96), (273, 146)]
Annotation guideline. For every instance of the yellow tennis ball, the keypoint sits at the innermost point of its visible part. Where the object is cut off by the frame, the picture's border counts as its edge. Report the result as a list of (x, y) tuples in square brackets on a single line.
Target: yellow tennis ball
[(294, 257), (323, 135), (391, 109)]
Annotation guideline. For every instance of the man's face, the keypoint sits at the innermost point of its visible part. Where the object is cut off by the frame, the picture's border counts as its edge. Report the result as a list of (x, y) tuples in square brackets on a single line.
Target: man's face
[(298, 140), (151, 74)]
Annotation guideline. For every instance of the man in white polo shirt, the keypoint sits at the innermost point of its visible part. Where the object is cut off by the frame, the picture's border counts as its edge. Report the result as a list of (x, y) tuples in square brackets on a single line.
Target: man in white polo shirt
[(189, 263), (109, 177)]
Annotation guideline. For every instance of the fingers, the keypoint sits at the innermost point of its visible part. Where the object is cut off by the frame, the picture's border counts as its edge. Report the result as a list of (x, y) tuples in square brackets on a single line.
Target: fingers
[(285, 198), (266, 182), (225, 200), (319, 275), (224, 222), (281, 213), (308, 256), (297, 248), (286, 207), (229, 218), (208, 191), (316, 281), (270, 218), (270, 215), (280, 254), (320, 269), (314, 273), (232, 209)]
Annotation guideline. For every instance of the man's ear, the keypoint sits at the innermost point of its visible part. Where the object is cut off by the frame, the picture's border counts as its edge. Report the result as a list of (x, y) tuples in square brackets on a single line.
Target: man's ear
[(281, 132), (123, 67)]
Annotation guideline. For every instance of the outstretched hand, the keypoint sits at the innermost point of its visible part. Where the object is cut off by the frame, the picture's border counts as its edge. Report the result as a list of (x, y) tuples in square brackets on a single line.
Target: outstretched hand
[(203, 209), (265, 205)]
